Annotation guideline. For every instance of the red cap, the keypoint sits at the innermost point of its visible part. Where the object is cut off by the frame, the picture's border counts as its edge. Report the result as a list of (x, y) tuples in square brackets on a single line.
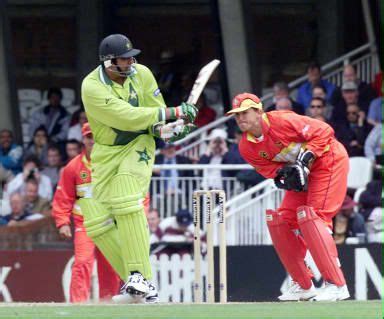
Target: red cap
[(348, 203), (243, 102), (86, 129)]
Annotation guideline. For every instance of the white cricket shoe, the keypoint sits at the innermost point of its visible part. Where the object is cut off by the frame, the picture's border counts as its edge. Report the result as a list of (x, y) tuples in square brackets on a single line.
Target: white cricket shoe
[(153, 295), (331, 292), (134, 290), (296, 293)]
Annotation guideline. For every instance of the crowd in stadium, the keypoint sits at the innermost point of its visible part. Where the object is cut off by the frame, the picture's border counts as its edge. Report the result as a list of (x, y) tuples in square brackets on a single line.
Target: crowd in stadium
[(29, 174)]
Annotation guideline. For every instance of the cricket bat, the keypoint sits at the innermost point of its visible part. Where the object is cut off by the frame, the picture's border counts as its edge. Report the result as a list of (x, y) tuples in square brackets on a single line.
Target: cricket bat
[(198, 87), (201, 80)]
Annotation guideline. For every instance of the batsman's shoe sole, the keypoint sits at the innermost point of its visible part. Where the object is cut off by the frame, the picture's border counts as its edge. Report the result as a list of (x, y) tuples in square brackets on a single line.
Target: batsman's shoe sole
[(128, 299), (152, 299)]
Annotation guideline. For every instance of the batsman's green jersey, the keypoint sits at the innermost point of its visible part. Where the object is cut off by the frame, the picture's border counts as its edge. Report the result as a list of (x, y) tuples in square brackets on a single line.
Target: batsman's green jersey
[(120, 116), (122, 158)]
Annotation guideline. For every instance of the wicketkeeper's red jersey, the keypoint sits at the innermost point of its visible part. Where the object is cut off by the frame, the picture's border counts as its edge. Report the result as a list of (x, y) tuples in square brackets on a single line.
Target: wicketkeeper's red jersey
[(284, 133), (74, 183)]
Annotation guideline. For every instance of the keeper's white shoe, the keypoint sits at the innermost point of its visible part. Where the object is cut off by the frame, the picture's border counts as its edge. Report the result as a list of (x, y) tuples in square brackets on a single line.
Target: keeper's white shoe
[(331, 292), (134, 290), (296, 293)]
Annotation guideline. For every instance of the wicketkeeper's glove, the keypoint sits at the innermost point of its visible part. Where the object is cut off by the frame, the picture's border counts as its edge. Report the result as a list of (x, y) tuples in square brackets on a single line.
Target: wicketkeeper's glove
[(295, 176), (173, 131)]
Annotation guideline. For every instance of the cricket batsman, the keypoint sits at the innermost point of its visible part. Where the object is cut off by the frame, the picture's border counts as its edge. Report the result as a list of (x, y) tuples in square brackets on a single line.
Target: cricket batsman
[(126, 111), (303, 157), (75, 183)]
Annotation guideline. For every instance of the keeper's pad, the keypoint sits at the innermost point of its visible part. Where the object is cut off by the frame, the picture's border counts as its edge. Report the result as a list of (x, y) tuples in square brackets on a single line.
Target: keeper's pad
[(102, 230), (128, 211), (290, 249), (321, 245)]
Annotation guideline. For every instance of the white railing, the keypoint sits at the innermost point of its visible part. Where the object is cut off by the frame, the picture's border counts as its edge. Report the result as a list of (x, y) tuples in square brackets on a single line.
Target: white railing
[(245, 208), (169, 200), (174, 276), (362, 58)]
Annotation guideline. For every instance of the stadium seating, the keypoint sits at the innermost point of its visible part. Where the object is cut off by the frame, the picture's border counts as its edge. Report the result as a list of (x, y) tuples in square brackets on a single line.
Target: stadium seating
[(360, 172)]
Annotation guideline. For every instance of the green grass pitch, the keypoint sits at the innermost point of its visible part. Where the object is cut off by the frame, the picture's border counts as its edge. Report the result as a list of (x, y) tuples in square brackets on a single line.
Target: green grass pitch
[(262, 310)]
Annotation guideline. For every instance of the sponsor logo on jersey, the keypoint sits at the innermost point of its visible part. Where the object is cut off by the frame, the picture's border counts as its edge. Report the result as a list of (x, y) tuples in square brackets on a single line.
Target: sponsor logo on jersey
[(305, 129), (301, 214), (264, 154), (157, 92), (84, 175)]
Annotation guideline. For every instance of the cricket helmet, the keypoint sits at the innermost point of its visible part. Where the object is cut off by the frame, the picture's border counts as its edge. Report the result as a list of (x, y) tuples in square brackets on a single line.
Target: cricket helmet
[(116, 46)]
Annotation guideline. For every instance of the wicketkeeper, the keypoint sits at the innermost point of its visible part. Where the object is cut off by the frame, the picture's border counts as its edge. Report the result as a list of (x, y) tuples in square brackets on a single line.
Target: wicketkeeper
[(304, 158), (126, 110)]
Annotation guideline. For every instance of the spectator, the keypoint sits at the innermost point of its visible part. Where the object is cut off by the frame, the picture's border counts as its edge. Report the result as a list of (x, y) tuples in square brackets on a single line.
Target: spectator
[(373, 144), (11, 154), (365, 91), (177, 230), (72, 149), (320, 92), (248, 177), (52, 170), (74, 132), (54, 117), (206, 114), (39, 145), (153, 219), (370, 198), (320, 118), (233, 155), (171, 176), (304, 95), (30, 170), (34, 203), (378, 84), (374, 226), (186, 82), (283, 104), (216, 150), (350, 95), (354, 132), (348, 223), (167, 78), (5, 177), (281, 90), (18, 212), (374, 112), (317, 107)]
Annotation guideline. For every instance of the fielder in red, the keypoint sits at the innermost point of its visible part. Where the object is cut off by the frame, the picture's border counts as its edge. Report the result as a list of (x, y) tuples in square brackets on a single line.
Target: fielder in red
[(75, 182), (303, 157)]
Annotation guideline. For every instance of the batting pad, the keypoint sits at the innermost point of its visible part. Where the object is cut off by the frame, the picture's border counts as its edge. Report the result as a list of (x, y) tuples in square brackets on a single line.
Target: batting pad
[(290, 249), (321, 245), (128, 210), (102, 230)]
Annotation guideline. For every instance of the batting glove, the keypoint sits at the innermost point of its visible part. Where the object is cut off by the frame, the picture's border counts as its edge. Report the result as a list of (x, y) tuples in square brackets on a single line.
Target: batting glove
[(173, 131), (185, 111)]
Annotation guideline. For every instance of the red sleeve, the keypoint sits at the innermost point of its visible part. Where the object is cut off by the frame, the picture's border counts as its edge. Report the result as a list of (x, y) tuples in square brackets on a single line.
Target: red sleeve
[(297, 128), (65, 197)]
